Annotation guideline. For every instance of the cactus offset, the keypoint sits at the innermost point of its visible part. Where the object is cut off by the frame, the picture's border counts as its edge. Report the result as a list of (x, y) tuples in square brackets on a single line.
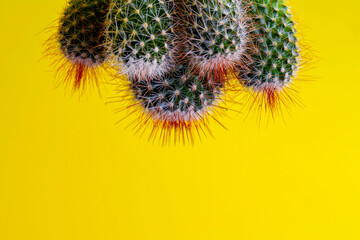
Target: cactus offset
[(215, 34), (177, 104), (275, 55), (139, 33), (80, 37)]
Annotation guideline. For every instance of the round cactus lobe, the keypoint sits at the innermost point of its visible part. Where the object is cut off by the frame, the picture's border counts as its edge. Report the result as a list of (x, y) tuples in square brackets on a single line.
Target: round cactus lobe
[(139, 33), (81, 37), (276, 52), (216, 36), (179, 97)]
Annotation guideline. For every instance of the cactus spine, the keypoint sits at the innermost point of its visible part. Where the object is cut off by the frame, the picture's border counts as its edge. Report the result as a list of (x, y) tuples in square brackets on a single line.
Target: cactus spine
[(80, 38), (216, 36), (139, 33), (276, 52)]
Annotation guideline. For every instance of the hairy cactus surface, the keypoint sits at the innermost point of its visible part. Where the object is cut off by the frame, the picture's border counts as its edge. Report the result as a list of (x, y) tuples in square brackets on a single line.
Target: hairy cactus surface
[(178, 102), (178, 97), (214, 35), (81, 39), (139, 36), (276, 52)]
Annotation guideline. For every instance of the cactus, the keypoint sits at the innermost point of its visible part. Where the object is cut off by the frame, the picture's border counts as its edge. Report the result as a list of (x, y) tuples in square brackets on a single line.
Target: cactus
[(177, 55), (80, 37), (139, 37), (214, 36), (275, 55), (178, 102)]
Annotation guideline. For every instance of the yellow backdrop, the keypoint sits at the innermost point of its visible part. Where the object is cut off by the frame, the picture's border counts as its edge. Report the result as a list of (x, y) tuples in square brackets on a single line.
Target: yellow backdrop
[(68, 172)]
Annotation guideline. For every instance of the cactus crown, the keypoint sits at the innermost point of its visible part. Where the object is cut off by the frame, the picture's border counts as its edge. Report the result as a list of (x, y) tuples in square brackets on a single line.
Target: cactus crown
[(139, 33), (81, 31), (276, 52)]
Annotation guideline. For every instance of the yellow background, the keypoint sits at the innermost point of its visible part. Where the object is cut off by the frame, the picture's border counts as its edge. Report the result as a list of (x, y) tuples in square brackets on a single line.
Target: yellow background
[(67, 172)]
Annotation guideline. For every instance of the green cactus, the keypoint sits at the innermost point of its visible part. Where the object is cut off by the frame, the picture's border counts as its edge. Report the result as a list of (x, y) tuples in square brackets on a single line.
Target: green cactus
[(276, 51), (214, 35), (139, 36), (178, 101), (81, 38)]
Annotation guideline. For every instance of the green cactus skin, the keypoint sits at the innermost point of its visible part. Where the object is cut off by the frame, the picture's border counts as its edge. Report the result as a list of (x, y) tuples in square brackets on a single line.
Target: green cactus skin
[(177, 98), (216, 35), (139, 33), (81, 37), (276, 51)]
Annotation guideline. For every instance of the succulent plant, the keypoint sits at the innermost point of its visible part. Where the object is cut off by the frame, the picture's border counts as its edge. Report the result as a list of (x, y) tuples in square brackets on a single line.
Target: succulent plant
[(178, 56), (178, 101), (213, 35), (80, 38), (275, 55), (139, 37)]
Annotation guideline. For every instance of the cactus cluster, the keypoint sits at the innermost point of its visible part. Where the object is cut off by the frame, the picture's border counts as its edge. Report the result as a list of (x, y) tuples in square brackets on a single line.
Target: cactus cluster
[(275, 55), (81, 37), (178, 55)]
